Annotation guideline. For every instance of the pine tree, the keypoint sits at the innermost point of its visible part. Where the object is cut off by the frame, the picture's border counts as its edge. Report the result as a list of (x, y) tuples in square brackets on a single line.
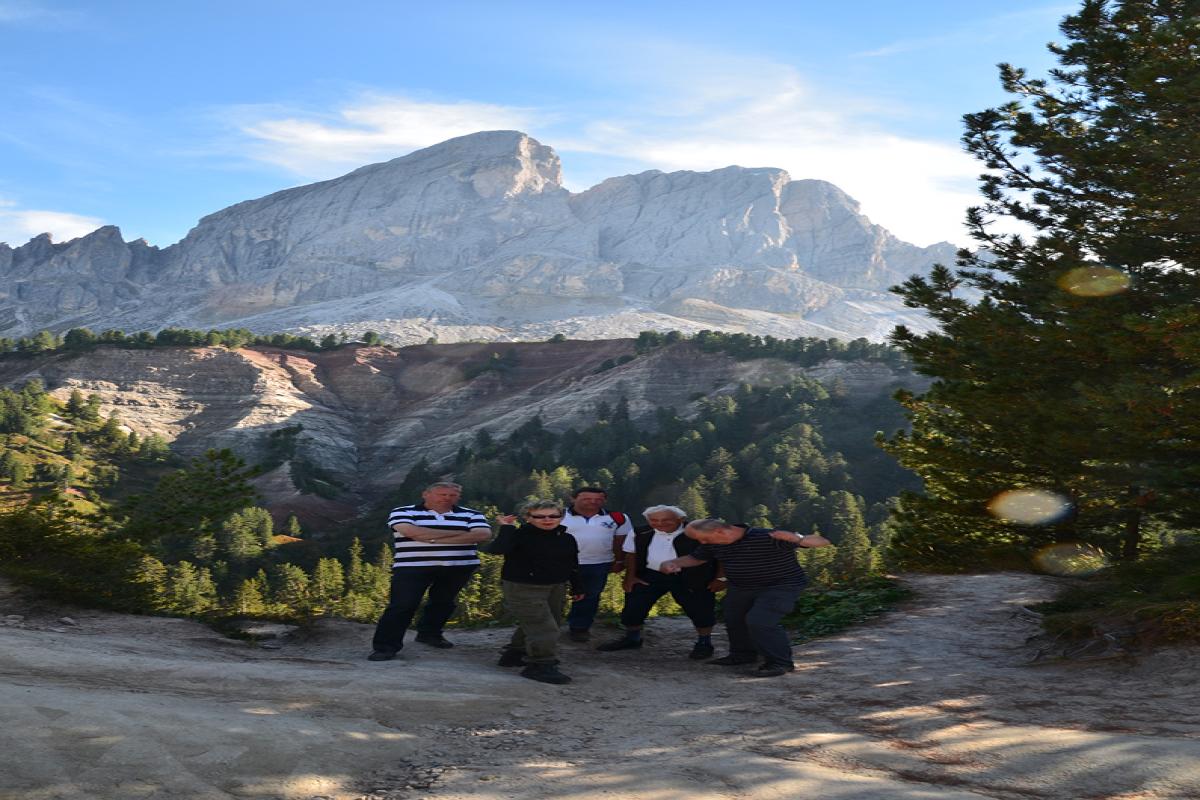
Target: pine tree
[(238, 537), (1073, 371), (190, 590), (248, 600), (91, 409), (854, 558), (759, 516), (76, 404), (328, 585), (191, 502), (292, 589), (692, 501), (154, 448)]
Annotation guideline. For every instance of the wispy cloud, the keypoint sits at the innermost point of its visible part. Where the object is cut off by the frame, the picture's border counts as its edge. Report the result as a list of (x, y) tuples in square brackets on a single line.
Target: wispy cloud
[(25, 12), (371, 127), (18, 225), (976, 32)]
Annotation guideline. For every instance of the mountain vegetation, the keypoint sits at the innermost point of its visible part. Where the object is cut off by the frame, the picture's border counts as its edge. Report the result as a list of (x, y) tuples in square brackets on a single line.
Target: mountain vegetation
[(193, 538)]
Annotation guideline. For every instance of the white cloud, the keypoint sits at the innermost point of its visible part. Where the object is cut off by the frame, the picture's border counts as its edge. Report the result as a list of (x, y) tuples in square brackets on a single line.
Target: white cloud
[(757, 114), (372, 128), (19, 225)]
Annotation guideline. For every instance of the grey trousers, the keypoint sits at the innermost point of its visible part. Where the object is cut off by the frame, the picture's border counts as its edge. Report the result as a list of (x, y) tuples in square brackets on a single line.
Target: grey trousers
[(752, 620), (538, 611)]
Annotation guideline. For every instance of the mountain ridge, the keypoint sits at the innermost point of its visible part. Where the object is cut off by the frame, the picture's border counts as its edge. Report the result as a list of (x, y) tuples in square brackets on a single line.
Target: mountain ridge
[(476, 237)]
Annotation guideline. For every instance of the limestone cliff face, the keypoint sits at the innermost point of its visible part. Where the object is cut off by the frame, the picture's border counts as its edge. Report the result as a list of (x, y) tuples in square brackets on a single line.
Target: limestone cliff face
[(477, 238), (369, 414)]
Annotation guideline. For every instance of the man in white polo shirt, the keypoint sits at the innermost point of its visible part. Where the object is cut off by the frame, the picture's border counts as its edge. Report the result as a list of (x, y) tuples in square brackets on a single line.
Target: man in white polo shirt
[(600, 533)]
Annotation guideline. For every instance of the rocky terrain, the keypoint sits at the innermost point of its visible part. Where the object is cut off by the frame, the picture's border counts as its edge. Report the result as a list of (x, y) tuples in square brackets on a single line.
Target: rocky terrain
[(476, 238), (936, 701), (369, 413)]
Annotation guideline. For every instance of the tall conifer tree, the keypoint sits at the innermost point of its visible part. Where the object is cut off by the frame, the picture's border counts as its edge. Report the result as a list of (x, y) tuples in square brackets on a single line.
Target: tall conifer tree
[(1066, 356)]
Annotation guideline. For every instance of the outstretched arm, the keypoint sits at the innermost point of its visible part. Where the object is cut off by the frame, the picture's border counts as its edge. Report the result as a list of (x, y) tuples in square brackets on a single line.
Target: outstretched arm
[(800, 540), (679, 564)]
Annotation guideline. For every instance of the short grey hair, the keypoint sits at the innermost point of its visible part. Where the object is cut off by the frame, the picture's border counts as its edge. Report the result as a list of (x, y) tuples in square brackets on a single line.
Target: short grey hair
[(676, 510), (538, 505), (707, 525), (443, 485)]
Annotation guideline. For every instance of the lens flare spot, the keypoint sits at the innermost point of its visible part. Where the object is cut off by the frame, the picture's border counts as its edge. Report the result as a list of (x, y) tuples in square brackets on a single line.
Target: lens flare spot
[(1094, 281), (1029, 506), (1070, 559)]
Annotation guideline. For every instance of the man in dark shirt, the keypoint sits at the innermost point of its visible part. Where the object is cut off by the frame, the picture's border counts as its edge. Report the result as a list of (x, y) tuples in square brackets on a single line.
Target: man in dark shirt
[(764, 582)]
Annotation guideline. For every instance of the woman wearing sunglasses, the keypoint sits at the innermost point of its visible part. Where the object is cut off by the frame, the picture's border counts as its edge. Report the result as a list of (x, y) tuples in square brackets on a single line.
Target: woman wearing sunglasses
[(540, 560)]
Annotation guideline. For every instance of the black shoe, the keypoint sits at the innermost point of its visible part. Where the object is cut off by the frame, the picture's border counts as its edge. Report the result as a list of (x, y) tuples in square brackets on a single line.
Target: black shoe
[(544, 673), (435, 640), (382, 655), (624, 643), (512, 658), (772, 670), (701, 651), (580, 635), (732, 660)]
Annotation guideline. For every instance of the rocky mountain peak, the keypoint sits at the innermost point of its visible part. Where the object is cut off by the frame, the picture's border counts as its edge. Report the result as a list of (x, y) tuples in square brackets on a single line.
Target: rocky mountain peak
[(497, 164)]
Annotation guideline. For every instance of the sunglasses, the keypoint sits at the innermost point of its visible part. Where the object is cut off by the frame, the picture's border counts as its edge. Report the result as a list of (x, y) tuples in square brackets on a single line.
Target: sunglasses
[(545, 516)]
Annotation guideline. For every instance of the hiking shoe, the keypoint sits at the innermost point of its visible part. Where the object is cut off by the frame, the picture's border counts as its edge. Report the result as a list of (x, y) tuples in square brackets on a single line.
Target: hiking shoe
[(579, 635), (624, 643), (772, 670), (382, 655), (732, 660), (435, 640), (512, 658), (544, 673), (701, 652)]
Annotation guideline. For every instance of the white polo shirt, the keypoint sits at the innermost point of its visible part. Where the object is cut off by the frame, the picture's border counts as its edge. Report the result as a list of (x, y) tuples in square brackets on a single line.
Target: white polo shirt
[(662, 548), (594, 535)]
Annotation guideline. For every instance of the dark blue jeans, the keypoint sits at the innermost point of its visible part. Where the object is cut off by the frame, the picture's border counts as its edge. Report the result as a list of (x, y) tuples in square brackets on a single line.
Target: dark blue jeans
[(752, 620), (409, 585), (592, 579), (698, 604)]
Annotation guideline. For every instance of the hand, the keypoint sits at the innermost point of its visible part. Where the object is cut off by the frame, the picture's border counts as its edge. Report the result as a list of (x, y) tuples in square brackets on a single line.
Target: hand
[(669, 567), (786, 536), (618, 566), (717, 585), (507, 519), (632, 580)]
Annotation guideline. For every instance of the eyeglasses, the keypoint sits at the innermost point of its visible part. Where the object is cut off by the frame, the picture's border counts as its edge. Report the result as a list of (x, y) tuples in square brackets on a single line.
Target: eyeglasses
[(545, 516)]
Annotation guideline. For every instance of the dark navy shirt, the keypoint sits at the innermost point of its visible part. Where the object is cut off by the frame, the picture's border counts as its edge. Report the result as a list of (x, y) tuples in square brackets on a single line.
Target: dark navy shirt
[(756, 560)]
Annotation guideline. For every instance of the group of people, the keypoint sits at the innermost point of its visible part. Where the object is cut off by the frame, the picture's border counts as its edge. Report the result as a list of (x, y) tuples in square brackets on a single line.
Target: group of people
[(551, 550)]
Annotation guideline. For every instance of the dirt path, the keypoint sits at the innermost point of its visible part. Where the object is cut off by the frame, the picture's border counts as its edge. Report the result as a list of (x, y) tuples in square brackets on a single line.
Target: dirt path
[(933, 702)]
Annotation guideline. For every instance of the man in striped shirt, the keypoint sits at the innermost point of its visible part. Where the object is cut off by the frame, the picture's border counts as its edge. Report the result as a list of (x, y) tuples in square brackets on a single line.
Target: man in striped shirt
[(435, 552), (764, 583)]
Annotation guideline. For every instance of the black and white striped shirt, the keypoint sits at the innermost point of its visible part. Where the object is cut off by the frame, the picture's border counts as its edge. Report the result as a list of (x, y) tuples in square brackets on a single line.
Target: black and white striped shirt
[(411, 553), (756, 561)]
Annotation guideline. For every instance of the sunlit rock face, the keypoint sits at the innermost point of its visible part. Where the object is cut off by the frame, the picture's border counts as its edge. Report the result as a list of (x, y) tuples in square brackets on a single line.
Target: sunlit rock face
[(476, 238)]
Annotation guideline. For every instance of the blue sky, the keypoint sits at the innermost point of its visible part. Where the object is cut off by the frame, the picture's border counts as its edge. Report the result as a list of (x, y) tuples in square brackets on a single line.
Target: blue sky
[(149, 115)]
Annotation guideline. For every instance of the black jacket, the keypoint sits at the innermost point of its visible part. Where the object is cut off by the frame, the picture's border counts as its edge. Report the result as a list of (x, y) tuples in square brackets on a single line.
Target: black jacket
[(695, 577), (533, 555)]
